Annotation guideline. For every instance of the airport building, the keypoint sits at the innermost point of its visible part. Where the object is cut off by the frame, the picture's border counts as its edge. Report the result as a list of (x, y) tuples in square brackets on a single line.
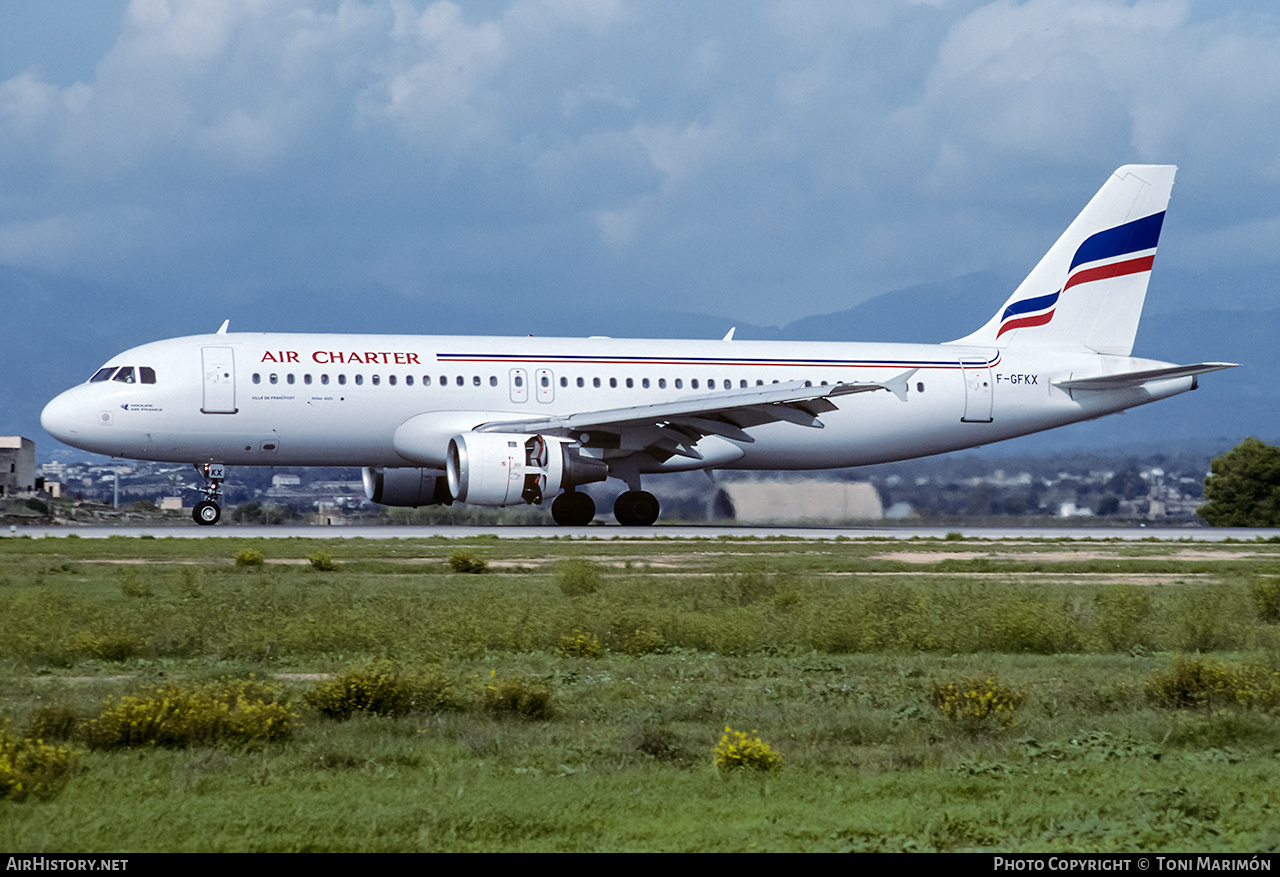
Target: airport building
[(17, 465), (765, 502)]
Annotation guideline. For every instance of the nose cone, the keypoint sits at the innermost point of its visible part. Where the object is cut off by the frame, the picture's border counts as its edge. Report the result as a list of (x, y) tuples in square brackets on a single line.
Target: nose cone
[(61, 418)]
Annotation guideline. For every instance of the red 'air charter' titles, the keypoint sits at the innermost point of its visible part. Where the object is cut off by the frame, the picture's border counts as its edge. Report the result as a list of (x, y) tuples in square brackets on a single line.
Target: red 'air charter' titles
[(337, 357)]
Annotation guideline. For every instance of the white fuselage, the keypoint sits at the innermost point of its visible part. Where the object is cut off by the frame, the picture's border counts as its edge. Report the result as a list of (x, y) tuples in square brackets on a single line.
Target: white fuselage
[(341, 400)]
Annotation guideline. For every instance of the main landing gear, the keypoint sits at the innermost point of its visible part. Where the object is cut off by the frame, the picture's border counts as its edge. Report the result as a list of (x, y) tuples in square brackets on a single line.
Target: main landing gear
[(207, 511), (634, 508), (573, 509)]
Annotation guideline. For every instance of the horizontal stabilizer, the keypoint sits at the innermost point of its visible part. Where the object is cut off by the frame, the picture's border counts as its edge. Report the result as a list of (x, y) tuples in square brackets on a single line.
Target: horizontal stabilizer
[(1137, 379)]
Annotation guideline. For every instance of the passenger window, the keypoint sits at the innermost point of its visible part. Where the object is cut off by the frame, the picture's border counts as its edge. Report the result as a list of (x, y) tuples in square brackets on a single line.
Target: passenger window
[(613, 383), (581, 382), (662, 383), (306, 379), (342, 379), (257, 378), (408, 380), (146, 374), (102, 374), (493, 380), (645, 383), (693, 384), (125, 375), (391, 380), (459, 381), (444, 380), (519, 381), (273, 378), (289, 379), (475, 381), (324, 379), (426, 380), (595, 382), (679, 383), (359, 380)]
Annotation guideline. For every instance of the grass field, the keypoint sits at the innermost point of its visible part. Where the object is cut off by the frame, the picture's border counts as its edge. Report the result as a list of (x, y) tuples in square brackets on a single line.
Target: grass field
[(569, 694)]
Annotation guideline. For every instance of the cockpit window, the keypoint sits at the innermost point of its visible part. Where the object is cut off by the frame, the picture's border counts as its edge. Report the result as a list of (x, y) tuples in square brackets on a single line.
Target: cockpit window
[(125, 374)]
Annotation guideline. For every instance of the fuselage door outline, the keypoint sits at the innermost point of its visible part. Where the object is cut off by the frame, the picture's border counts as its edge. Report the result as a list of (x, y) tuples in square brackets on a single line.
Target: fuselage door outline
[(976, 376), (219, 375), (546, 385), (519, 385)]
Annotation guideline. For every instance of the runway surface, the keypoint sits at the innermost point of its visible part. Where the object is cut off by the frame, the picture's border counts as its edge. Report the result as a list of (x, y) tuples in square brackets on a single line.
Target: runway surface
[(192, 531)]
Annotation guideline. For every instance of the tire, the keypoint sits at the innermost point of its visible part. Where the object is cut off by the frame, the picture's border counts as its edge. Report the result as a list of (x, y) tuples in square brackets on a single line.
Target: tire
[(206, 513), (636, 508), (573, 509)]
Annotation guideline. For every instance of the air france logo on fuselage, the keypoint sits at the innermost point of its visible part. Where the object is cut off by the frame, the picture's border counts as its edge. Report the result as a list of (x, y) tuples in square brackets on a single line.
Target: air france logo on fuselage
[(1114, 243)]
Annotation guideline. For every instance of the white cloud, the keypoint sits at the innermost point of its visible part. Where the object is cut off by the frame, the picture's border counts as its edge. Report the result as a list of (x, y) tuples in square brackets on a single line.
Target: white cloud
[(789, 157)]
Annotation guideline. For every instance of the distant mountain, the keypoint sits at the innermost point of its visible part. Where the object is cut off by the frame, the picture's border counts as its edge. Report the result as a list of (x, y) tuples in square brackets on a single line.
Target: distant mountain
[(930, 313)]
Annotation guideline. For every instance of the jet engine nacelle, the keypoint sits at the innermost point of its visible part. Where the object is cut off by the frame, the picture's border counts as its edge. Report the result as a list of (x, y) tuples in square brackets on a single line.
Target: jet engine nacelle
[(407, 487), (500, 469)]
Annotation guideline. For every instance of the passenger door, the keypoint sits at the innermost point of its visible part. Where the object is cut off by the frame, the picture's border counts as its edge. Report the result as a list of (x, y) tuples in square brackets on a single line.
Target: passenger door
[(218, 366)]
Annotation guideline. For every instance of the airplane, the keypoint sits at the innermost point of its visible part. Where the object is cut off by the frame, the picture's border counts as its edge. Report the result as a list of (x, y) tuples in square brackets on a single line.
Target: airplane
[(508, 421)]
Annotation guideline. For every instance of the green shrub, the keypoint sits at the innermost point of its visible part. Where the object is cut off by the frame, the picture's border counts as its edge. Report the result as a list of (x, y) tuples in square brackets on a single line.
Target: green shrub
[(976, 700), (1203, 622), (739, 751), (466, 562), (1029, 626), (32, 767), (53, 721), (322, 561), (635, 640), (119, 646), (1265, 591), (133, 586), (1199, 683), (577, 577), (1120, 614), (250, 558), (526, 698), (382, 689), (580, 644), (179, 715)]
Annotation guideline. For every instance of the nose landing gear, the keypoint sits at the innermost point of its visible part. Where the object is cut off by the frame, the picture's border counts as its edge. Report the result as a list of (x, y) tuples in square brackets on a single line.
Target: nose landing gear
[(207, 511)]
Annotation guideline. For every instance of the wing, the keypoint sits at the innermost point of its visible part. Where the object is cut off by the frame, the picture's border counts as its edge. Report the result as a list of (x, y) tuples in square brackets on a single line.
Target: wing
[(666, 429), (1137, 379)]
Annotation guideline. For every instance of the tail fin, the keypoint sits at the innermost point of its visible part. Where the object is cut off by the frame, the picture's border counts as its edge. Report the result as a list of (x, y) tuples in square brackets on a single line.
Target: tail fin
[(1087, 292)]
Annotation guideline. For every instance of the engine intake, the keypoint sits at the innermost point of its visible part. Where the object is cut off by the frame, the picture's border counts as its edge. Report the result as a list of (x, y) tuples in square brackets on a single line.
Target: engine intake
[(500, 469)]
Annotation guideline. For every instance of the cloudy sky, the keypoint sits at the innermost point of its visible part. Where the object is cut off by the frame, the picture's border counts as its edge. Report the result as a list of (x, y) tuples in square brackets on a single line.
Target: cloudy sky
[(758, 160)]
